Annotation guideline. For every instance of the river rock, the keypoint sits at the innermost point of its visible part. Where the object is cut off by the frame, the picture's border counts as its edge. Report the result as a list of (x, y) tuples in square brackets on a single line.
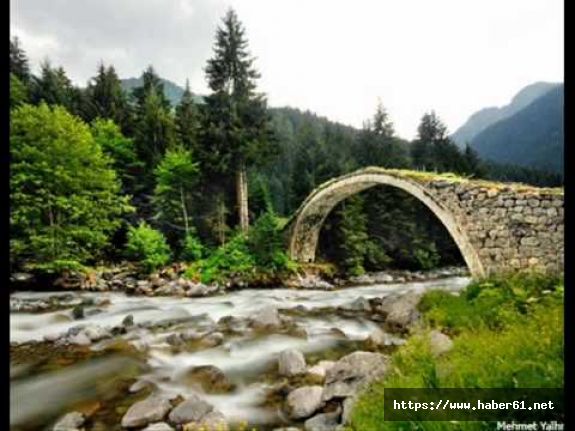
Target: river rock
[(399, 311), (359, 304), (211, 379), (319, 370), (352, 372), (212, 340), (347, 405), (323, 422), (439, 343), (70, 422), (158, 426), (291, 362), (96, 333), (193, 409), (379, 338), (141, 385), (303, 402), (266, 318), (128, 321), (152, 409), (80, 339)]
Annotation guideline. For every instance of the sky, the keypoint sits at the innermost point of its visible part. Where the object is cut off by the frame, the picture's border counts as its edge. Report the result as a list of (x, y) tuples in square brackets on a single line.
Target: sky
[(334, 57)]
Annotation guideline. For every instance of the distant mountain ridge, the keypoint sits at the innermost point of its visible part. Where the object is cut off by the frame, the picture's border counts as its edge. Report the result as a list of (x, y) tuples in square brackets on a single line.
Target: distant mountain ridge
[(486, 117), (172, 91), (532, 137)]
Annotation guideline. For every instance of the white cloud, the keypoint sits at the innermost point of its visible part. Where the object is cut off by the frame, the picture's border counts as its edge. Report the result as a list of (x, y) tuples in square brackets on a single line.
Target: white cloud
[(335, 57)]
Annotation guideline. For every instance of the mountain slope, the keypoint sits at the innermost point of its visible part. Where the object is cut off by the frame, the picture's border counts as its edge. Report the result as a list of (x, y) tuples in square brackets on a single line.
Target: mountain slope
[(531, 137), (486, 117)]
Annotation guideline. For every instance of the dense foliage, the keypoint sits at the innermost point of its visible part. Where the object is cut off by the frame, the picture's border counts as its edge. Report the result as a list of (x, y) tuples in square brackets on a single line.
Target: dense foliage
[(65, 196), (514, 322)]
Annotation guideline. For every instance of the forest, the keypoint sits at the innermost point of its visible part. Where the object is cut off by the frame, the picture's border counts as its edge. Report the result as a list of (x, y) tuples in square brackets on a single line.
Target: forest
[(101, 175)]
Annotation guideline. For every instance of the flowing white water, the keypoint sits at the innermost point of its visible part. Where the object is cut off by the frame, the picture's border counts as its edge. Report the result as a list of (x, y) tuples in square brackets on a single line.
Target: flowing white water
[(242, 358)]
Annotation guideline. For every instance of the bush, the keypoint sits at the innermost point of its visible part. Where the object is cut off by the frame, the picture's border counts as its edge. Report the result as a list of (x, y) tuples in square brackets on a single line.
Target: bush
[(229, 260), (147, 246), (266, 244), (193, 249)]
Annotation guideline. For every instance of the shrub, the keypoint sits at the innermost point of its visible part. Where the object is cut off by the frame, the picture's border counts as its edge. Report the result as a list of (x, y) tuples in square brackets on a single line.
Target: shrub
[(193, 249), (147, 246), (266, 244), (231, 259)]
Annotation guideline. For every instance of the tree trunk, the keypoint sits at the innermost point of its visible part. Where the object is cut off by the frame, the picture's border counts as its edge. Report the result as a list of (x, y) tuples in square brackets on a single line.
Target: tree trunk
[(184, 210), (242, 197)]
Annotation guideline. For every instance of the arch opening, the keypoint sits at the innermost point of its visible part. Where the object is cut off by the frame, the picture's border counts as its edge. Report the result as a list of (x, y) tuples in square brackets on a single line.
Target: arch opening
[(385, 228)]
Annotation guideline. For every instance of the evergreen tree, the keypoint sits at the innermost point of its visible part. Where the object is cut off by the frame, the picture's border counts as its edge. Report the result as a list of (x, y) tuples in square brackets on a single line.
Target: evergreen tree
[(155, 129), (151, 82), (187, 120), (55, 88), (107, 99), (19, 61), (433, 150), (236, 120)]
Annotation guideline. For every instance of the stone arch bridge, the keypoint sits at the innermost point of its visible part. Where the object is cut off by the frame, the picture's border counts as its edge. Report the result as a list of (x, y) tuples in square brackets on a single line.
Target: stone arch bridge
[(498, 227)]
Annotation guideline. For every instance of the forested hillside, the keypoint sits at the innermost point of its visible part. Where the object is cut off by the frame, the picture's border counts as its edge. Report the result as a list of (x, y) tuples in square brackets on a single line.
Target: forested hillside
[(532, 137), (486, 117)]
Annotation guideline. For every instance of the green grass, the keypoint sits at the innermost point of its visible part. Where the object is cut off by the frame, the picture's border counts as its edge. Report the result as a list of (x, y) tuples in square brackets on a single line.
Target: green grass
[(508, 333)]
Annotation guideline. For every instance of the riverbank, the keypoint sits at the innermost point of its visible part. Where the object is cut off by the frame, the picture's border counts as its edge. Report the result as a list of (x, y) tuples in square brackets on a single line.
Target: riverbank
[(172, 281)]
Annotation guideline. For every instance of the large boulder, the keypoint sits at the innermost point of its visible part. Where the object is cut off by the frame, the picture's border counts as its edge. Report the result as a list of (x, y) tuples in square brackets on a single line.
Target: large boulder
[(193, 409), (352, 372), (152, 409), (303, 402), (291, 362), (399, 311)]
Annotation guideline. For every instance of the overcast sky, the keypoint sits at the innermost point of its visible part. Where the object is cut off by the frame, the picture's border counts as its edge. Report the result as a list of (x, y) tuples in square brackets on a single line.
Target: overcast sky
[(334, 57)]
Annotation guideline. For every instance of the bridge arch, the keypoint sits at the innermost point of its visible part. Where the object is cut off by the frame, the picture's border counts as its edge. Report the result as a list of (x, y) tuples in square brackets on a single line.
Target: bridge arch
[(305, 225)]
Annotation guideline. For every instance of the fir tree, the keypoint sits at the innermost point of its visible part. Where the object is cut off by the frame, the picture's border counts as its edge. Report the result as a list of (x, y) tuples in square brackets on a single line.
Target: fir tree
[(236, 121), (187, 120), (19, 61)]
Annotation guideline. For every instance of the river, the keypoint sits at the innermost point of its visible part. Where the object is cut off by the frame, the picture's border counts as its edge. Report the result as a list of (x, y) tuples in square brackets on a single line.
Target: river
[(247, 358)]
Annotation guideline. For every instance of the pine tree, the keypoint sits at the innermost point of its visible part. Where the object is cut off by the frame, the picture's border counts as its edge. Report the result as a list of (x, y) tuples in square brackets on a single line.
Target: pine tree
[(433, 150), (151, 81), (187, 120), (236, 121), (55, 88), (107, 99), (154, 125), (19, 61)]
